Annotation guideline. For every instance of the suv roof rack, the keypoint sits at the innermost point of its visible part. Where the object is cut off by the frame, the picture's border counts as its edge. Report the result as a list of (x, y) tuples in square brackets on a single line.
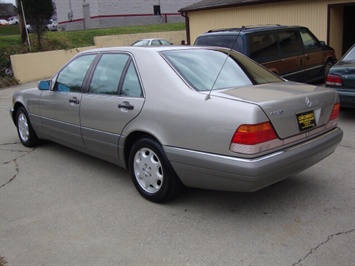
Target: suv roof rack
[(246, 27)]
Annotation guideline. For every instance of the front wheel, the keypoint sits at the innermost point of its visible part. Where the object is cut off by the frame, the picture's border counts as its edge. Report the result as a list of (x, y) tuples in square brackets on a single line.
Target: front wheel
[(151, 172), (25, 131)]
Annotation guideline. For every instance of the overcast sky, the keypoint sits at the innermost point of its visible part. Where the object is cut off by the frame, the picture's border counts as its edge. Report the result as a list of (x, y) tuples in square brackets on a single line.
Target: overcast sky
[(8, 1)]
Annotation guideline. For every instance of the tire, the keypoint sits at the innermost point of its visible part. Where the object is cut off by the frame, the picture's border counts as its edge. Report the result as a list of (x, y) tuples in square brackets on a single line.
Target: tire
[(326, 68), (25, 131), (151, 172)]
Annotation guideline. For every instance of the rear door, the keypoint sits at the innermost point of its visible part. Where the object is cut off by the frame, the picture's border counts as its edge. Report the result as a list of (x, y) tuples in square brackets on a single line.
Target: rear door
[(114, 98)]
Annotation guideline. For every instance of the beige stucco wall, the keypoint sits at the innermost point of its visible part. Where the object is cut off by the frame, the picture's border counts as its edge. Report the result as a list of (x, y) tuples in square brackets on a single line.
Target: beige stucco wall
[(37, 66), (310, 13)]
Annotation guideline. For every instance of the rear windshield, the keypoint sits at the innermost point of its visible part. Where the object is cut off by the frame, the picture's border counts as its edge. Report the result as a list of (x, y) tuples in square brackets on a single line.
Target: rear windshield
[(206, 69), (350, 56), (221, 41)]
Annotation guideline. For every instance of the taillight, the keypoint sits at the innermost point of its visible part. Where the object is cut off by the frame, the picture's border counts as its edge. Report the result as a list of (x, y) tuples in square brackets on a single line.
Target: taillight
[(335, 111), (333, 80), (254, 134)]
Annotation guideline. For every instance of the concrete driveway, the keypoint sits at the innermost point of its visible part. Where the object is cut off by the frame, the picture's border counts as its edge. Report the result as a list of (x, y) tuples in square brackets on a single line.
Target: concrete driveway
[(61, 207)]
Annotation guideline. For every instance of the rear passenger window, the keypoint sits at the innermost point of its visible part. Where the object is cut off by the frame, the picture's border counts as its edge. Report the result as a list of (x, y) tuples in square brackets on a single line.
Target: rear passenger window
[(108, 73), (263, 47), (290, 43), (131, 86)]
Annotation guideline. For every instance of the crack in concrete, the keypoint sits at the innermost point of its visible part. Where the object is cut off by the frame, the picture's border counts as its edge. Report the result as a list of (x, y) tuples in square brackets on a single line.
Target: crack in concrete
[(17, 169), (321, 244), (10, 143)]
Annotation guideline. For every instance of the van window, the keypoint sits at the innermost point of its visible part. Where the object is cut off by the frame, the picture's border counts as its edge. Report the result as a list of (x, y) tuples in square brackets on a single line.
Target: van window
[(290, 43), (308, 40), (262, 47), (221, 41)]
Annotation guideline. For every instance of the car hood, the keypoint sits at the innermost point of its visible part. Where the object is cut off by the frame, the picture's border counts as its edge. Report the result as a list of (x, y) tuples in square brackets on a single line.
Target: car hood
[(284, 102)]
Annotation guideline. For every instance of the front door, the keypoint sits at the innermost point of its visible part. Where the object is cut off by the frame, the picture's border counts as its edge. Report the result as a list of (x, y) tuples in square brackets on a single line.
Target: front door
[(314, 57), (291, 49), (60, 107)]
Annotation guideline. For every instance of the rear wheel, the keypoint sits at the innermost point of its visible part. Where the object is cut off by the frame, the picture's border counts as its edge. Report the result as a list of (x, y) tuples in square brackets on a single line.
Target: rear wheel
[(25, 131), (151, 172)]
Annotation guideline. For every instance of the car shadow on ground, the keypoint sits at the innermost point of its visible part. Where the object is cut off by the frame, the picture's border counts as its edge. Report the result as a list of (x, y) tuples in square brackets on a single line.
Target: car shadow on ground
[(280, 194)]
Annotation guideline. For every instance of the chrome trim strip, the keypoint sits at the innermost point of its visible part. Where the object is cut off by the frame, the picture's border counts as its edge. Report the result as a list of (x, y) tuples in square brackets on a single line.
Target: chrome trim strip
[(230, 157), (302, 71)]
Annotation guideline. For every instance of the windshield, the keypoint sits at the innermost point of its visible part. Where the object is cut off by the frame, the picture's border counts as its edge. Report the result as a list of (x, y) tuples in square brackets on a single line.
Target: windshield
[(206, 69)]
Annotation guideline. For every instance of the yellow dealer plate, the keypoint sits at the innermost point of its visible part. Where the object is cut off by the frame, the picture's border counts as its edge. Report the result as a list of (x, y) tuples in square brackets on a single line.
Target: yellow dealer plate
[(306, 120)]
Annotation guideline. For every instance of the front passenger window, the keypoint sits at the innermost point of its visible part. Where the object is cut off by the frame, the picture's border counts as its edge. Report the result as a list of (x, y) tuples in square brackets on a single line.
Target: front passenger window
[(308, 40), (71, 78)]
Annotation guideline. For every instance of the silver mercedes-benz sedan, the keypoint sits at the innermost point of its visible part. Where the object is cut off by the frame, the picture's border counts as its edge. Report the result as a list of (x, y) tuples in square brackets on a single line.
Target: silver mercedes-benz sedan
[(182, 116)]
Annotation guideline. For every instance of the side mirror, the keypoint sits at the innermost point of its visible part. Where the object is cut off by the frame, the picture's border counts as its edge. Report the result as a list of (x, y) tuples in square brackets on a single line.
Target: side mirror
[(44, 85), (321, 43)]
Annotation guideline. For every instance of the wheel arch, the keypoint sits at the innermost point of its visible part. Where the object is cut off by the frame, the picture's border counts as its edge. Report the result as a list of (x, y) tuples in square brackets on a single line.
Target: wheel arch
[(132, 138), (17, 105)]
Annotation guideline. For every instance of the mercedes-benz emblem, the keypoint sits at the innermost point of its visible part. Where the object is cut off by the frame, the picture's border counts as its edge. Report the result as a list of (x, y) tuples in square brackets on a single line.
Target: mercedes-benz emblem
[(308, 102)]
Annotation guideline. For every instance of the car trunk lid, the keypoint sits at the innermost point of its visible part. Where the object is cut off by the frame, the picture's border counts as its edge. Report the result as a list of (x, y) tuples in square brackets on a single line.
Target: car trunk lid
[(292, 108), (346, 69)]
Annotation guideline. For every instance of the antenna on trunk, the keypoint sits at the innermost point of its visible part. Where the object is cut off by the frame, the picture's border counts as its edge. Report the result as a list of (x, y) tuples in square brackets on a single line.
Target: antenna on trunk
[(219, 73)]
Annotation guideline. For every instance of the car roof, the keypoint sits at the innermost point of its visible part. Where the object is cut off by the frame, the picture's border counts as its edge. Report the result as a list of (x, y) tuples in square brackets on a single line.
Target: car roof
[(132, 49), (250, 29)]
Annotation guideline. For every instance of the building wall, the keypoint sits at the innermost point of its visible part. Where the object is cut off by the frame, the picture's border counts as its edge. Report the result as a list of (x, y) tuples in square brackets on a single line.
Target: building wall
[(43, 65), (312, 14), (111, 13)]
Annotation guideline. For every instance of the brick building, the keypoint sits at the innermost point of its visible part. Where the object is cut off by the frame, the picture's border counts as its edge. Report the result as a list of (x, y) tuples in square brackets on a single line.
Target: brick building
[(92, 14), (7, 10)]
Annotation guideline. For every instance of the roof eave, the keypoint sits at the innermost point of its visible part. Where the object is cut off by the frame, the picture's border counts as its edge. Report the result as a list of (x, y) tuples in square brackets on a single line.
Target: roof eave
[(248, 3)]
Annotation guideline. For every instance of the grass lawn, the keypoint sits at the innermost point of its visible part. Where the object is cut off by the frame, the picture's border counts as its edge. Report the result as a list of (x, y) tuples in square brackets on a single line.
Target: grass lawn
[(10, 41), (10, 35)]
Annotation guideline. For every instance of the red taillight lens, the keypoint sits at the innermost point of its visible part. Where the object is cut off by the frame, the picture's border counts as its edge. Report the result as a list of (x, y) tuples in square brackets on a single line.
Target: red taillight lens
[(333, 80), (335, 111), (254, 134)]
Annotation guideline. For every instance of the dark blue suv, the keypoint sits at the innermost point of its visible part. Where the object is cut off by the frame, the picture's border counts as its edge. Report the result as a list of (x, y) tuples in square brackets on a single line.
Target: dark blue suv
[(292, 52)]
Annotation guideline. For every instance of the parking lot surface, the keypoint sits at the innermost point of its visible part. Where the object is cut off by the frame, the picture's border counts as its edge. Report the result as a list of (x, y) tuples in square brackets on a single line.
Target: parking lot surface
[(61, 207)]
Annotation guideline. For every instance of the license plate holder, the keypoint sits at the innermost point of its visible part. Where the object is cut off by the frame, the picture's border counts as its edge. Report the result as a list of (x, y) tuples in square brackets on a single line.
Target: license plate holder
[(306, 120)]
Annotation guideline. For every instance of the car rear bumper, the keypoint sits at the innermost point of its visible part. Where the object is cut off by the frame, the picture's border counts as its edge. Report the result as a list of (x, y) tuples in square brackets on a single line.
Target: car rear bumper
[(218, 172)]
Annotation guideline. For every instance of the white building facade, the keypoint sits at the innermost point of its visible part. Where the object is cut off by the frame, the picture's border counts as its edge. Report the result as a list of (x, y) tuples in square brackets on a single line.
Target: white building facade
[(93, 14)]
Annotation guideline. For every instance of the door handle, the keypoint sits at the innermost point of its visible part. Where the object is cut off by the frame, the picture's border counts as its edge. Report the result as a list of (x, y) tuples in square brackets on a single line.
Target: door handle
[(126, 105), (74, 100)]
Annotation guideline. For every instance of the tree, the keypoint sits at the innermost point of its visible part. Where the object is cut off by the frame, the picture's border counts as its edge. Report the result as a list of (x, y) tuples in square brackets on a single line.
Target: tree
[(21, 22), (38, 13)]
